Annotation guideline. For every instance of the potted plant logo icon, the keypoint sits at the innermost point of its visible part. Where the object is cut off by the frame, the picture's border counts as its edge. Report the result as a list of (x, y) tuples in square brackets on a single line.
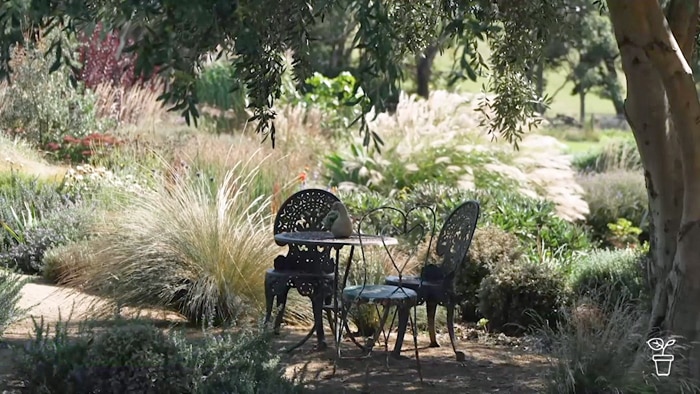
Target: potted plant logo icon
[(662, 361)]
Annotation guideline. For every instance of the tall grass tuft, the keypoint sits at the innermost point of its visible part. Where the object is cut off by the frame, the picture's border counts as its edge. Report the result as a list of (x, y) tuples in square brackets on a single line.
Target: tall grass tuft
[(191, 247)]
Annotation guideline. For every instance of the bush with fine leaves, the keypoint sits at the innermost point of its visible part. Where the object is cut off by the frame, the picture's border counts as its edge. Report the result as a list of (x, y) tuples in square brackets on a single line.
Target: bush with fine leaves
[(43, 107), (614, 195), (10, 287), (198, 247), (610, 274), (491, 247), (134, 356), (36, 215), (518, 296)]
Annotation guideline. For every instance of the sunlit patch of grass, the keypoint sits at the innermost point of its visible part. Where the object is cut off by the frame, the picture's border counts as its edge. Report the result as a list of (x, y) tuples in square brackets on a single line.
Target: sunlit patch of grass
[(18, 155)]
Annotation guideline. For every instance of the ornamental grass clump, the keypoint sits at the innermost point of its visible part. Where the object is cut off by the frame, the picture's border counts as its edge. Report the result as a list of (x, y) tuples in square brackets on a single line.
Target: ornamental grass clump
[(190, 247)]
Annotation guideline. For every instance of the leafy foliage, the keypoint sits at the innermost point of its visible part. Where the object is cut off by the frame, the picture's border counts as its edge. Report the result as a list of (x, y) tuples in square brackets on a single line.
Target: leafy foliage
[(610, 274), (36, 215), (217, 85), (491, 247), (257, 33), (10, 287), (134, 356), (41, 107), (516, 297), (103, 61), (611, 196), (331, 96)]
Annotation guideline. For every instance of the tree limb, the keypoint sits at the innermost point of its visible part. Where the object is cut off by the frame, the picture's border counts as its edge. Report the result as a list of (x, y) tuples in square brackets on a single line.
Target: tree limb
[(682, 16)]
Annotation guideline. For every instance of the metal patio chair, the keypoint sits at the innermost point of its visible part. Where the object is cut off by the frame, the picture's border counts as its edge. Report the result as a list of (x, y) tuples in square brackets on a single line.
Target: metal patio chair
[(436, 284), (408, 228), (309, 270)]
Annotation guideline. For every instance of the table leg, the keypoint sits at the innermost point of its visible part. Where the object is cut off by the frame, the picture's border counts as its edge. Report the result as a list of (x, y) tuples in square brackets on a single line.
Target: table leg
[(340, 322), (338, 330), (317, 305)]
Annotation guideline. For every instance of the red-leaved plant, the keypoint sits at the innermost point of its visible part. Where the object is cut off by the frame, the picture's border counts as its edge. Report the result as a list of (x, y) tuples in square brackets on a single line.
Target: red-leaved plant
[(80, 150), (103, 64)]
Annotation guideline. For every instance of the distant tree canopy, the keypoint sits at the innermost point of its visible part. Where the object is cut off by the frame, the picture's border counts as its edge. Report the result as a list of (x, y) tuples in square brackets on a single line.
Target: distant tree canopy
[(173, 37)]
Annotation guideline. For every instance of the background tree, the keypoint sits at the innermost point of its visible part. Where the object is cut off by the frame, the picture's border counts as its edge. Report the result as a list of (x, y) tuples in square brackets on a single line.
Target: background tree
[(588, 52)]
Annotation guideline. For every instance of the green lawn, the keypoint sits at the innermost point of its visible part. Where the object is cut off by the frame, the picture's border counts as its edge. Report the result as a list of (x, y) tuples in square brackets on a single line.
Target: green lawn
[(563, 103), (580, 141)]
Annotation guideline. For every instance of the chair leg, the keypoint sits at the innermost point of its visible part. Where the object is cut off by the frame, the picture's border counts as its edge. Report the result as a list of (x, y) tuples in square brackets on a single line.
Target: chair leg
[(451, 330), (375, 337), (317, 305), (401, 330), (432, 308), (269, 300), (414, 328), (331, 320), (342, 324), (281, 306)]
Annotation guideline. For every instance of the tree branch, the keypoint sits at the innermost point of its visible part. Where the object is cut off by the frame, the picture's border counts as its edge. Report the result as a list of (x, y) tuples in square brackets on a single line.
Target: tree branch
[(682, 16)]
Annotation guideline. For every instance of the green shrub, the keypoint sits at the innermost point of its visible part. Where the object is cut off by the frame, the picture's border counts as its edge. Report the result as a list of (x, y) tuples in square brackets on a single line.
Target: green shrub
[(331, 95), (535, 223), (614, 274), (133, 356), (187, 248), (23, 201), (597, 354), (43, 107), (618, 155), (611, 196), (541, 233), (34, 216), (515, 297), (58, 228), (237, 363), (218, 86), (490, 247), (10, 287)]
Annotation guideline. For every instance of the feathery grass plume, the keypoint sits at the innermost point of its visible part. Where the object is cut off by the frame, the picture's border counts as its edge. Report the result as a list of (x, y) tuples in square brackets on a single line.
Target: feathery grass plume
[(440, 139), (194, 248), (135, 105)]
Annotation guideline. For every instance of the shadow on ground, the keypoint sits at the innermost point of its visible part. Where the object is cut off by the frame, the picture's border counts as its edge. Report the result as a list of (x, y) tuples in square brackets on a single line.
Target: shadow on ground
[(486, 369)]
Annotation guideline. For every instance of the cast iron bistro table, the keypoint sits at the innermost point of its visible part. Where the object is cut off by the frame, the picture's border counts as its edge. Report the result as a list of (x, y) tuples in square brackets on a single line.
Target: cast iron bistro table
[(327, 239)]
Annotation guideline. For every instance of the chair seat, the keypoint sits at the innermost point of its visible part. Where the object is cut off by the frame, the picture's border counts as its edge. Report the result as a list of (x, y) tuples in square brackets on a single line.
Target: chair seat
[(380, 294), (281, 273), (412, 282)]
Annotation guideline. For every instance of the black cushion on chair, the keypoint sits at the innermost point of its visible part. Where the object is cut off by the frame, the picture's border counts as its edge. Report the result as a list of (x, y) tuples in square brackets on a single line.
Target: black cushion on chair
[(432, 273), (412, 282)]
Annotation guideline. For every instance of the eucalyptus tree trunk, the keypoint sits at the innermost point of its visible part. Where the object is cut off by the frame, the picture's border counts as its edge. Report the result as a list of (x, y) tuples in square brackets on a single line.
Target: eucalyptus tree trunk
[(663, 110)]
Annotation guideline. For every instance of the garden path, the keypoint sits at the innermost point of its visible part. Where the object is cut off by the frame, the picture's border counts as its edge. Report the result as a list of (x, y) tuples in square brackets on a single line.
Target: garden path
[(487, 368)]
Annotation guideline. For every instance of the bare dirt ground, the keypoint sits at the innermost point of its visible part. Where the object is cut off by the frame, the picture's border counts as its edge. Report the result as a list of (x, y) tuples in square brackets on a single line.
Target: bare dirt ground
[(486, 368)]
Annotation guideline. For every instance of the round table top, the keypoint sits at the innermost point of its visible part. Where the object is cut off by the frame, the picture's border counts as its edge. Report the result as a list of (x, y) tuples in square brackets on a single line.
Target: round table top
[(326, 238)]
